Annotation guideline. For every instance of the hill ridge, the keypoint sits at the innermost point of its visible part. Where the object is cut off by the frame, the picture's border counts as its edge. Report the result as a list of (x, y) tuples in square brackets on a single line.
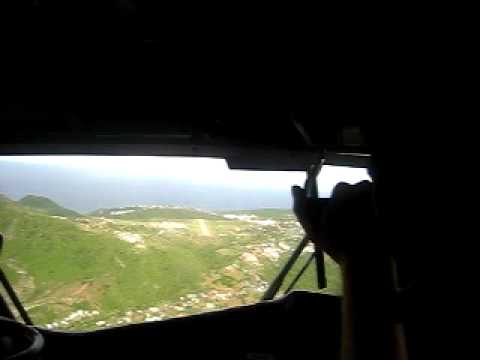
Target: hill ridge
[(47, 205)]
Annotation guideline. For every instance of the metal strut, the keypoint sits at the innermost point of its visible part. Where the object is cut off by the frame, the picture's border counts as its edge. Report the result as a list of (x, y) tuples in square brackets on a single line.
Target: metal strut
[(13, 296), (311, 192), (11, 293)]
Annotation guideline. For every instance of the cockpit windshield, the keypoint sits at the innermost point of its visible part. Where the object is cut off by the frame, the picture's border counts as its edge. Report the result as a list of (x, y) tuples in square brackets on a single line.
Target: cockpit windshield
[(101, 241)]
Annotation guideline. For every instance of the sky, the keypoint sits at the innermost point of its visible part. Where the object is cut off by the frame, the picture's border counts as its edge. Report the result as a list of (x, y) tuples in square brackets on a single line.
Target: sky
[(86, 183)]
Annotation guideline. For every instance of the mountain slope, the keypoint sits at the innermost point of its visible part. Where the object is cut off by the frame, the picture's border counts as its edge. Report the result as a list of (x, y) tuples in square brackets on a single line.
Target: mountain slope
[(56, 266), (48, 206), (57, 257), (119, 271)]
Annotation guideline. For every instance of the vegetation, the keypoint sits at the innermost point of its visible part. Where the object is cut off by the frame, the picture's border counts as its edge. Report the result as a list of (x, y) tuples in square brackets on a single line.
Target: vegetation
[(46, 205), (113, 268)]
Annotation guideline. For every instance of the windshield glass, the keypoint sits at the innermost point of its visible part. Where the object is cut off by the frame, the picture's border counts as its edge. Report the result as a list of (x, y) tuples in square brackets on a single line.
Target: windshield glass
[(96, 241)]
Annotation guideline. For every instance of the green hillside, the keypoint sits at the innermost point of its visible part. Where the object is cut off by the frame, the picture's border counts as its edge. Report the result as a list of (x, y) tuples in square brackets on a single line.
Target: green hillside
[(58, 255), (119, 271), (46, 205)]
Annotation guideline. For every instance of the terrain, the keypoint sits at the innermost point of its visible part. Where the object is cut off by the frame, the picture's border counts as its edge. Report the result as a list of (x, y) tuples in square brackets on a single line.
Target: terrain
[(143, 263)]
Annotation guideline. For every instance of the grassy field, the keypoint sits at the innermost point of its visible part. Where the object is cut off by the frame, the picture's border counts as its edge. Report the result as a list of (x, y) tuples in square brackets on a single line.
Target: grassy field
[(115, 267)]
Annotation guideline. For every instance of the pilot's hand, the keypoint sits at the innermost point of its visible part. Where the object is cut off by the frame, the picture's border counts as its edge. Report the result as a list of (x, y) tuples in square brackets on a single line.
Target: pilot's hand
[(345, 227)]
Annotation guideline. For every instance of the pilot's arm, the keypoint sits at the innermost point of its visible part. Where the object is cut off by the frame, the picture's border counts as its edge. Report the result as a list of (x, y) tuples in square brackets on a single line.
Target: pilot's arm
[(347, 229)]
